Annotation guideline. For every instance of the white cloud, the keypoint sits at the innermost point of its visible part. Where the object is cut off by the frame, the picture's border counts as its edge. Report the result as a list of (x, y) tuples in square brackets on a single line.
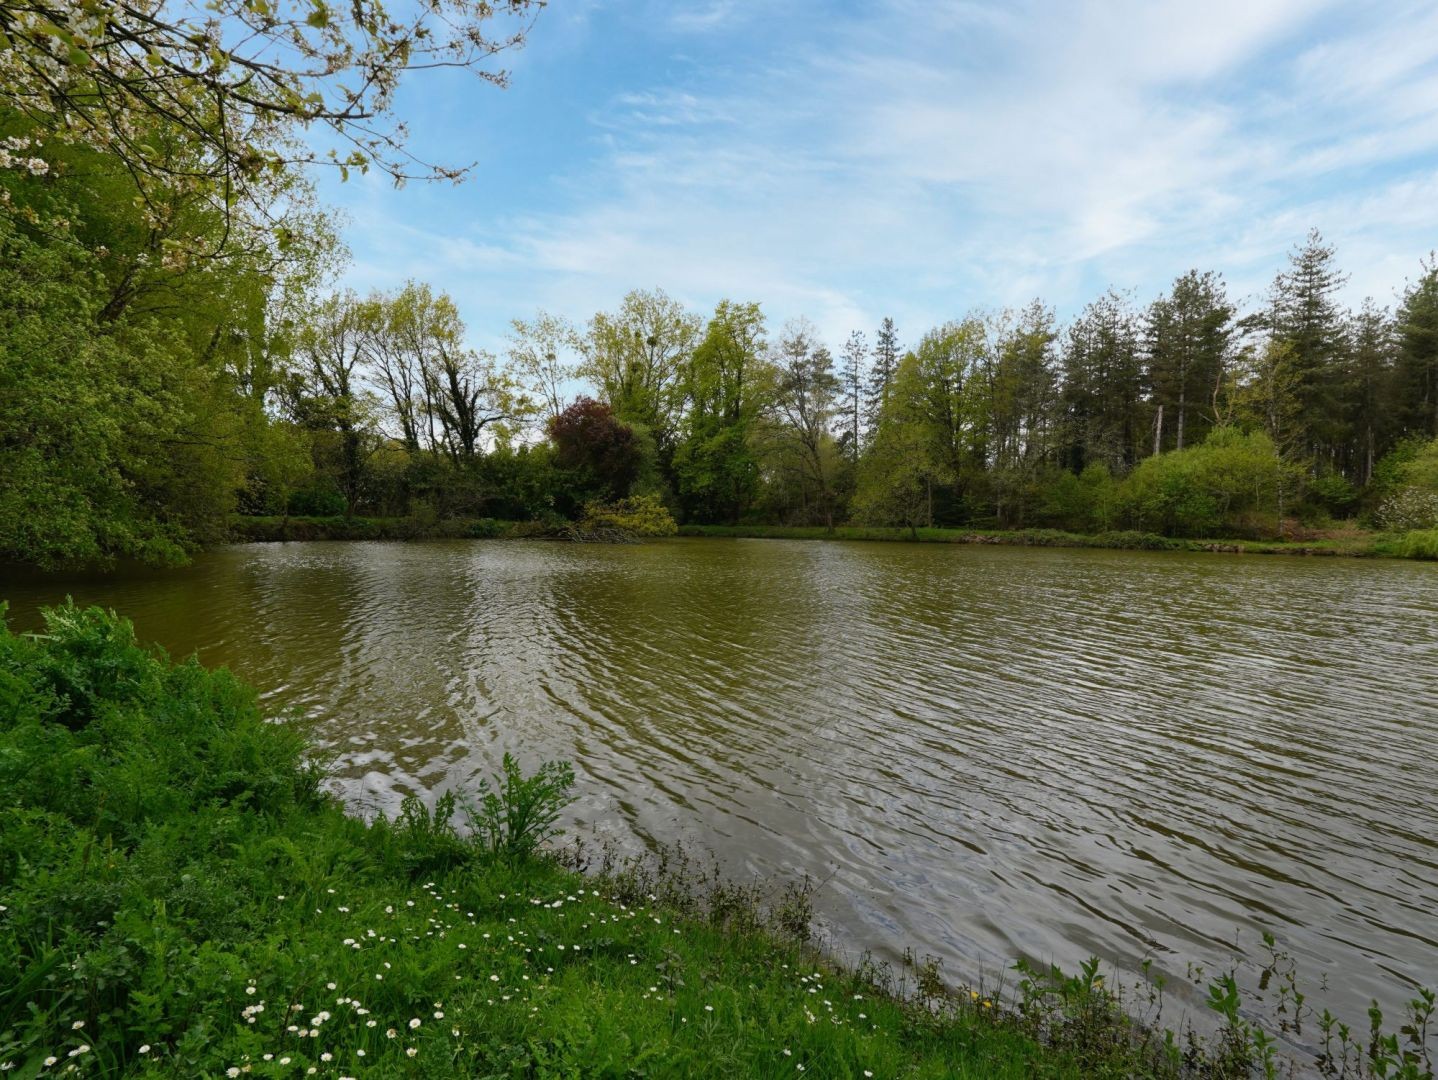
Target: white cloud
[(924, 158)]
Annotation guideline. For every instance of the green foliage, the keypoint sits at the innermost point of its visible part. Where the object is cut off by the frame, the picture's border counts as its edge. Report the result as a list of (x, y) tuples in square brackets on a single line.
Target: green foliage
[(1410, 481), (1417, 544), (179, 899), (1206, 489), (1334, 494), (519, 814), (638, 515)]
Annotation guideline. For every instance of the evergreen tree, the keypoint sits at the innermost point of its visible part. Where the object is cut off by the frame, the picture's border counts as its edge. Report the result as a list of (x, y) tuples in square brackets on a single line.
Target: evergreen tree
[(1303, 316), (1104, 414), (1415, 404), (881, 373), (1366, 389), (1187, 337), (851, 376)]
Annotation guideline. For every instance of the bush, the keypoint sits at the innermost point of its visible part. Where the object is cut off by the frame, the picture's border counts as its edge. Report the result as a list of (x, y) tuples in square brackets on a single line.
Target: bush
[(1417, 544), (1408, 508), (639, 515)]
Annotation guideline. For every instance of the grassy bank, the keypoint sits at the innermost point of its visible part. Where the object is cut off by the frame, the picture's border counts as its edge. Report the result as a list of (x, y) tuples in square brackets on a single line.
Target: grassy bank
[(1417, 545), (179, 898), (1421, 544), (248, 529)]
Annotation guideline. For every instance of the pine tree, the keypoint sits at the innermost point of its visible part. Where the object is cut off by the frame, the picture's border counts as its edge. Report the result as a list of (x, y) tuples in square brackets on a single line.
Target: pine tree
[(881, 374), (1304, 317), (1415, 403), (1187, 335), (1104, 414), (851, 376)]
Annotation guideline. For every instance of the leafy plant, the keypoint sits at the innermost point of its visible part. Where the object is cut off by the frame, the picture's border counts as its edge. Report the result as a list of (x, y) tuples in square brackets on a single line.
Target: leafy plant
[(520, 813)]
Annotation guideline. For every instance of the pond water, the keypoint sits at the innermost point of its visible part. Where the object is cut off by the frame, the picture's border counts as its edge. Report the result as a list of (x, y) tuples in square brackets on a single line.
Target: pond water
[(983, 752)]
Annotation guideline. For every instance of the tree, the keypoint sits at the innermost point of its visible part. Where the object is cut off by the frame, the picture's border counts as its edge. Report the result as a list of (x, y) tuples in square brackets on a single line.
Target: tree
[(1187, 336), (881, 372), (899, 468), (636, 356), (1367, 382), (212, 101), (600, 451), (541, 355), (1104, 413), (715, 469), (1303, 316), (806, 393), (331, 396), (1267, 395), (1020, 395), (851, 377), (1415, 402)]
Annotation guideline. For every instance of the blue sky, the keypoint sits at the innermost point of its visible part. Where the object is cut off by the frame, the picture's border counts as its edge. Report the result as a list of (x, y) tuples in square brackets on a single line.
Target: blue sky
[(913, 158)]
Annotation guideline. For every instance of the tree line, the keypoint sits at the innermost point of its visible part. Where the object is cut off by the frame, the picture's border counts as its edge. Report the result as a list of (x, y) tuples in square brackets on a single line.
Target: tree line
[(173, 351), (1184, 416)]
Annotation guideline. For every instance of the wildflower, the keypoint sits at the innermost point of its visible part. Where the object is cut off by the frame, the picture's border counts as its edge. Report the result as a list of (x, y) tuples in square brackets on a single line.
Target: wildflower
[(329, 986), (708, 1008), (249, 989), (414, 1023), (50, 1060), (391, 1033), (77, 1025), (788, 1052), (371, 1023), (438, 1014), (360, 1052), (145, 1049), (410, 1051), (327, 1056), (284, 1061), (232, 1072), (83, 1048)]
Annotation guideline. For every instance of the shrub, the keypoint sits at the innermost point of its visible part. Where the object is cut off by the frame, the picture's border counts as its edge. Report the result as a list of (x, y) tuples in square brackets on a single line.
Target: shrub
[(1408, 508), (639, 515)]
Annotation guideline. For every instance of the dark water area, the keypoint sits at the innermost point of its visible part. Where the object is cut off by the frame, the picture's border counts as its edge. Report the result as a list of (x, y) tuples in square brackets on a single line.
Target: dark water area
[(985, 753)]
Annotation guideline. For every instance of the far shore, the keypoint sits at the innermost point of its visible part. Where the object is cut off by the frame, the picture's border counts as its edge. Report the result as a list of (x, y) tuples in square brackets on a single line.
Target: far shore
[(1347, 543)]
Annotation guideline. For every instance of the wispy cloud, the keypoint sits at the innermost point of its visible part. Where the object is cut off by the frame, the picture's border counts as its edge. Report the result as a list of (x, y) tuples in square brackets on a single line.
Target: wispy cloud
[(917, 158)]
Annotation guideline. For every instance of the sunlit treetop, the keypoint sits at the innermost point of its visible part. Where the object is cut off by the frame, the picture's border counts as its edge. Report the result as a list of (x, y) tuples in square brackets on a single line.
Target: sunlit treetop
[(220, 97)]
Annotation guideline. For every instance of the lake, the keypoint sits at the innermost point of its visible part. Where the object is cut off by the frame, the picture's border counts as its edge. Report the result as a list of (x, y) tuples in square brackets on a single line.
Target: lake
[(983, 752)]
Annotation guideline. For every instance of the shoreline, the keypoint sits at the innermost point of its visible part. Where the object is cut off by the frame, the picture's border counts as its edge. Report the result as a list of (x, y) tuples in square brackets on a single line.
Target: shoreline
[(1367, 545), (191, 892)]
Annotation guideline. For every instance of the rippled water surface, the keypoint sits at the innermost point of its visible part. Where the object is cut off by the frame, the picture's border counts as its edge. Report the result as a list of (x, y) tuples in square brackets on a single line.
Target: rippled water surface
[(986, 752)]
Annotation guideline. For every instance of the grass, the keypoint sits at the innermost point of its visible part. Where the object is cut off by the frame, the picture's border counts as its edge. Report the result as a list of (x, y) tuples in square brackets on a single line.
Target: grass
[(179, 898), (1359, 545), (257, 529), (1421, 544)]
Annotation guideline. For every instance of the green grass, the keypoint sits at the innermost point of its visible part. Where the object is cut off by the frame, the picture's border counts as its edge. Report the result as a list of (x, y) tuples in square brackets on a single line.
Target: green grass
[(179, 898), (252, 529), (1361, 546)]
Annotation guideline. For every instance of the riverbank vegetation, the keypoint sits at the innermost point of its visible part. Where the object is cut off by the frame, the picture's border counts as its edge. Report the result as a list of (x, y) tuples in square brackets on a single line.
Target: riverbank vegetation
[(178, 897), (171, 358)]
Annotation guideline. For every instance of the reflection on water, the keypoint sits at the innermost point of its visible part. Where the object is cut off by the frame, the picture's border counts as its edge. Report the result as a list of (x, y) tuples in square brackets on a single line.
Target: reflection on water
[(986, 752)]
